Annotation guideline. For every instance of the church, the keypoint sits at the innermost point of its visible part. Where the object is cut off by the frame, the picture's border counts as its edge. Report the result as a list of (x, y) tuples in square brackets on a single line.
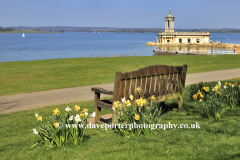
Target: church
[(171, 37)]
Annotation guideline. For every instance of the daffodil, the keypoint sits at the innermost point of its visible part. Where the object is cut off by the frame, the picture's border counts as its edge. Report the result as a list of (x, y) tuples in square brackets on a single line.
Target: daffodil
[(93, 114), (123, 100), (56, 124), (77, 118), (68, 109), (116, 104), (113, 108), (219, 83), (71, 118), (226, 83), (199, 92), (39, 118), (195, 96), (201, 95), (86, 114), (138, 89), (85, 110), (153, 97), (76, 108), (217, 87), (35, 131), (128, 103), (206, 88), (141, 102), (82, 114), (36, 115), (234, 78), (137, 117), (56, 111), (131, 97), (229, 84), (225, 87), (200, 100)]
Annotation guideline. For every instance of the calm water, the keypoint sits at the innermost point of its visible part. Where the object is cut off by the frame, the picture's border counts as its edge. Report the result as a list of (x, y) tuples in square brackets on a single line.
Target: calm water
[(38, 46)]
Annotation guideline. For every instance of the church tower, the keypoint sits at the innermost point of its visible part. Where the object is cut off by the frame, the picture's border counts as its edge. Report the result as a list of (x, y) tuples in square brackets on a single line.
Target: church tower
[(169, 22)]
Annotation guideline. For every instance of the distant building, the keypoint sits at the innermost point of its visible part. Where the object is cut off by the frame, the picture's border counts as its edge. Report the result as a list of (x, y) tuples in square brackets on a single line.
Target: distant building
[(171, 37)]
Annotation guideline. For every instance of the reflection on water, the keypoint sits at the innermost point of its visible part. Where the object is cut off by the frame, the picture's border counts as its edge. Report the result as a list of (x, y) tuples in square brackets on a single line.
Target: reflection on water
[(196, 49)]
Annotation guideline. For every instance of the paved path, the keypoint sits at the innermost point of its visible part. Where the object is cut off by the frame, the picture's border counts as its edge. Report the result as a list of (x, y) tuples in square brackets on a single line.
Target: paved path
[(26, 101)]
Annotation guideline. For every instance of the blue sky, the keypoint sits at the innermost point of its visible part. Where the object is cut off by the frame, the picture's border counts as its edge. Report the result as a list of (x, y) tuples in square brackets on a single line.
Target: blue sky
[(120, 13)]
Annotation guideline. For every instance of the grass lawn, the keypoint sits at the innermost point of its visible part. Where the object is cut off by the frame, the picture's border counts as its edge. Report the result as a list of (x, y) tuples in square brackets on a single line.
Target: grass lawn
[(215, 139), (31, 76)]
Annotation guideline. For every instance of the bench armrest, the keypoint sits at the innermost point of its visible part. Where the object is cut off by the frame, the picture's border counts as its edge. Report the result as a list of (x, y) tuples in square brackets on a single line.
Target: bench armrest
[(101, 90)]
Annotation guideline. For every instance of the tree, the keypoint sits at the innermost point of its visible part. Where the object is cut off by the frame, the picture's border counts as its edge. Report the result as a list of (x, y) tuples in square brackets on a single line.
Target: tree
[(36, 29)]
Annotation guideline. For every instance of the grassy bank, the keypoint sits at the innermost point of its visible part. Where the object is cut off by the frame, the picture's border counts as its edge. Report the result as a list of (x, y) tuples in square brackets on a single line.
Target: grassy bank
[(30, 76), (215, 139)]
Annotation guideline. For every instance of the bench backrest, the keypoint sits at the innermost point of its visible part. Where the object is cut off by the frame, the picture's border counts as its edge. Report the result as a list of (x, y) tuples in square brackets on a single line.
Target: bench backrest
[(157, 80)]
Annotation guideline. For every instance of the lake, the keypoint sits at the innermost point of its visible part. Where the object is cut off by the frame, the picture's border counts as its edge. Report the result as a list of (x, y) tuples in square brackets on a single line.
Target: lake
[(39, 46)]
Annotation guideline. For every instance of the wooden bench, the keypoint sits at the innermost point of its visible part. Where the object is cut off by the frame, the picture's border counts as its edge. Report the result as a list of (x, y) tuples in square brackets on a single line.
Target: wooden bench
[(164, 82)]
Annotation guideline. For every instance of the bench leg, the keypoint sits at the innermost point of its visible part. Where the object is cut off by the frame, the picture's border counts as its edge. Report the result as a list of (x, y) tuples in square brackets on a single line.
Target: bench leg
[(180, 104), (96, 108)]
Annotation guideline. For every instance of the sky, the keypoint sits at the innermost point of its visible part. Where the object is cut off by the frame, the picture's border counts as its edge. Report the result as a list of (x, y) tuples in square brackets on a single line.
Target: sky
[(189, 14)]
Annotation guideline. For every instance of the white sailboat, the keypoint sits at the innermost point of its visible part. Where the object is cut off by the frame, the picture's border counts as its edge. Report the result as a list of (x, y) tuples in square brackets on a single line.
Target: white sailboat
[(23, 35), (99, 32), (94, 32)]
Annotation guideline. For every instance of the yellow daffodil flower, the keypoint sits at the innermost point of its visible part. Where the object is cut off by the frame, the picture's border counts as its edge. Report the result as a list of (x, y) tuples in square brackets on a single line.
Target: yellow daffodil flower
[(85, 110), (216, 88), (56, 111), (137, 117), (195, 96), (39, 118), (56, 124), (131, 97), (76, 108), (153, 97), (138, 89), (128, 103), (206, 88), (199, 92)]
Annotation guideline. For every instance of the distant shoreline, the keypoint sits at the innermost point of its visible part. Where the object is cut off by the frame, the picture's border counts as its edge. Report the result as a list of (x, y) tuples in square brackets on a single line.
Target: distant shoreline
[(27, 32)]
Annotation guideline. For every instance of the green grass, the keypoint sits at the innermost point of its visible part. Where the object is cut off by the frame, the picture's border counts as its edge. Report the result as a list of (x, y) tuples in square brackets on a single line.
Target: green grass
[(31, 76), (216, 139)]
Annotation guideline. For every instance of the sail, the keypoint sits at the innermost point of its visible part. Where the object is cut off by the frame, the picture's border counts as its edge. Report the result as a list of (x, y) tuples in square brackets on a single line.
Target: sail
[(23, 35)]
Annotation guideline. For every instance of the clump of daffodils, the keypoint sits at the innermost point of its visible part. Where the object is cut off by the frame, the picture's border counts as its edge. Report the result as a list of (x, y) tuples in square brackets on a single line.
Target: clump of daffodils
[(134, 110), (58, 128), (216, 101)]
